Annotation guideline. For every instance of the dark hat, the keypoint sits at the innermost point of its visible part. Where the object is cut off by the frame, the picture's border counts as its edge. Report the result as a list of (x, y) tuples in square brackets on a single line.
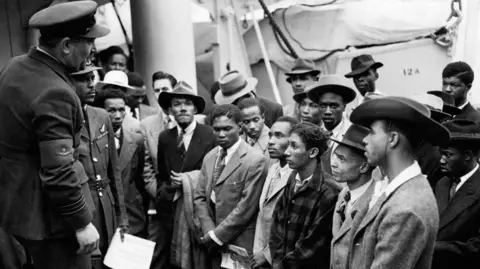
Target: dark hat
[(463, 130), (182, 89), (362, 63), (448, 102), (303, 66), (404, 110), (86, 70), (330, 83), (354, 137), (70, 19), (136, 81)]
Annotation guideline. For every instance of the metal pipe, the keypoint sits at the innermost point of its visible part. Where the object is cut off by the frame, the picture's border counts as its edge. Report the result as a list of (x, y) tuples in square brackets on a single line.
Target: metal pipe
[(266, 58), (277, 29)]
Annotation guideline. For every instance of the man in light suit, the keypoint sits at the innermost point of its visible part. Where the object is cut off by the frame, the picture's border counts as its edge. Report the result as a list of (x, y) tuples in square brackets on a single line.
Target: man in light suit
[(229, 188), (398, 227), (458, 193), (255, 133), (272, 189), (349, 166)]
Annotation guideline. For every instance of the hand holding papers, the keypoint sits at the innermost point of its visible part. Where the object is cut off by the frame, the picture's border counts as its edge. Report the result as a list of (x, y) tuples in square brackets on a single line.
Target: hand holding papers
[(132, 253), (235, 258)]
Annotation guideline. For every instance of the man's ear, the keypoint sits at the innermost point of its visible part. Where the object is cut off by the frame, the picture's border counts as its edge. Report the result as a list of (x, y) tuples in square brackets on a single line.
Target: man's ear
[(65, 45), (314, 152), (393, 139), (365, 168), (469, 86)]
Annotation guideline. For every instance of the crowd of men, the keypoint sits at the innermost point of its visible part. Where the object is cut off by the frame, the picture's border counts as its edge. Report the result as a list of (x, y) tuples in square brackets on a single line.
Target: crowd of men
[(391, 183)]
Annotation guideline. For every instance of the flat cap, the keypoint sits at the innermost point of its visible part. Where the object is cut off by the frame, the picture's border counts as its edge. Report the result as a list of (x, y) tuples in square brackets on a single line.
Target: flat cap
[(70, 19)]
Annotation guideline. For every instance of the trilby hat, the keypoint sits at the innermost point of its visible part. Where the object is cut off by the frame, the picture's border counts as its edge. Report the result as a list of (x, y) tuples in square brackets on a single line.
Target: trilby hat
[(404, 110), (181, 90), (448, 102), (435, 105), (233, 85), (463, 130), (116, 78), (353, 137), (302, 66), (86, 70), (361, 64)]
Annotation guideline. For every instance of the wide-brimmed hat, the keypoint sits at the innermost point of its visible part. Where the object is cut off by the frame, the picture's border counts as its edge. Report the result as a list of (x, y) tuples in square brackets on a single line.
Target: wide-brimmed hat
[(435, 104), (448, 102), (463, 130), (72, 19), (331, 83), (302, 66), (115, 78), (136, 82), (404, 110), (362, 63), (182, 89), (354, 136), (232, 86), (86, 70)]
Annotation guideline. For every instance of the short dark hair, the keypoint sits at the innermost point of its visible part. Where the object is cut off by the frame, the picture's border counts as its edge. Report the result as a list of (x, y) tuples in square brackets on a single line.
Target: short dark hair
[(312, 136), (105, 55), (461, 70), (406, 129), (163, 75), (228, 110), (103, 95), (287, 119), (251, 102)]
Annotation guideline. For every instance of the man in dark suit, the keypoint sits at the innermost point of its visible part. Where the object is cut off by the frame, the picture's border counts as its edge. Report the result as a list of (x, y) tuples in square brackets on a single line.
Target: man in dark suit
[(180, 156), (458, 238), (457, 80), (234, 87), (44, 198), (230, 185), (131, 157), (97, 153)]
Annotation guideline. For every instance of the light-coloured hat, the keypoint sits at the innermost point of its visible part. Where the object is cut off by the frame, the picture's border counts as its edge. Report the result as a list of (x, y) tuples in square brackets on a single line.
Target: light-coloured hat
[(435, 104), (86, 70), (116, 78), (233, 85)]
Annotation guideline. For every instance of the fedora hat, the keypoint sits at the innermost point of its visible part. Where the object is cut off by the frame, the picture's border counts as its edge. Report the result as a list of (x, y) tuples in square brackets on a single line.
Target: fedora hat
[(362, 63), (86, 70), (136, 82), (403, 110), (448, 102), (302, 66), (182, 89), (232, 86), (353, 137), (115, 78), (463, 130), (330, 83), (435, 105)]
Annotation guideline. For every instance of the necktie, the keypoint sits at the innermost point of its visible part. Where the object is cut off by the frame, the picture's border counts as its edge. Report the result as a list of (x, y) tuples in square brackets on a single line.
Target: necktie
[(252, 142), (453, 187), (181, 144), (118, 145), (219, 166), (343, 206)]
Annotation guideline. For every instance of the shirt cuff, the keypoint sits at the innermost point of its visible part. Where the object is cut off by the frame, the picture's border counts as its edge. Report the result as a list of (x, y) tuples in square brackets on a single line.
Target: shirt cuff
[(215, 238)]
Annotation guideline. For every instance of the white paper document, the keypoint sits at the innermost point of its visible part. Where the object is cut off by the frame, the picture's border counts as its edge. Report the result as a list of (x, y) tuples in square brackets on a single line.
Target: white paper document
[(133, 253), (235, 258)]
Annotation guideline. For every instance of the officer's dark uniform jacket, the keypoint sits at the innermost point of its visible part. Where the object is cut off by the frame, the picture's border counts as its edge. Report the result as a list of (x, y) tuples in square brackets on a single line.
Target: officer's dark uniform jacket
[(100, 160), (43, 190)]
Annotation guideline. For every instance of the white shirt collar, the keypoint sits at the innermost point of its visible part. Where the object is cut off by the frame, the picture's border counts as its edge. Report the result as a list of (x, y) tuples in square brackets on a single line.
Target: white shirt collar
[(230, 150), (356, 193), (464, 105), (404, 176), (305, 181), (276, 166), (45, 52), (190, 128), (465, 177), (340, 129)]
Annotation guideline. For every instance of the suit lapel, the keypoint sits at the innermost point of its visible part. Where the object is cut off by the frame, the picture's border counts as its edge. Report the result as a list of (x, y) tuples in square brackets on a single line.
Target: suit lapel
[(93, 123), (127, 150), (278, 187), (441, 193), (370, 215), (233, 163), (463, 198), (195, 149)]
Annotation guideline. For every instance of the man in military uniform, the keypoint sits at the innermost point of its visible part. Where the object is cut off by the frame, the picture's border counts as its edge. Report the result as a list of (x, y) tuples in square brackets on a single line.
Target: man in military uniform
[(44, 199), (97, 153)]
